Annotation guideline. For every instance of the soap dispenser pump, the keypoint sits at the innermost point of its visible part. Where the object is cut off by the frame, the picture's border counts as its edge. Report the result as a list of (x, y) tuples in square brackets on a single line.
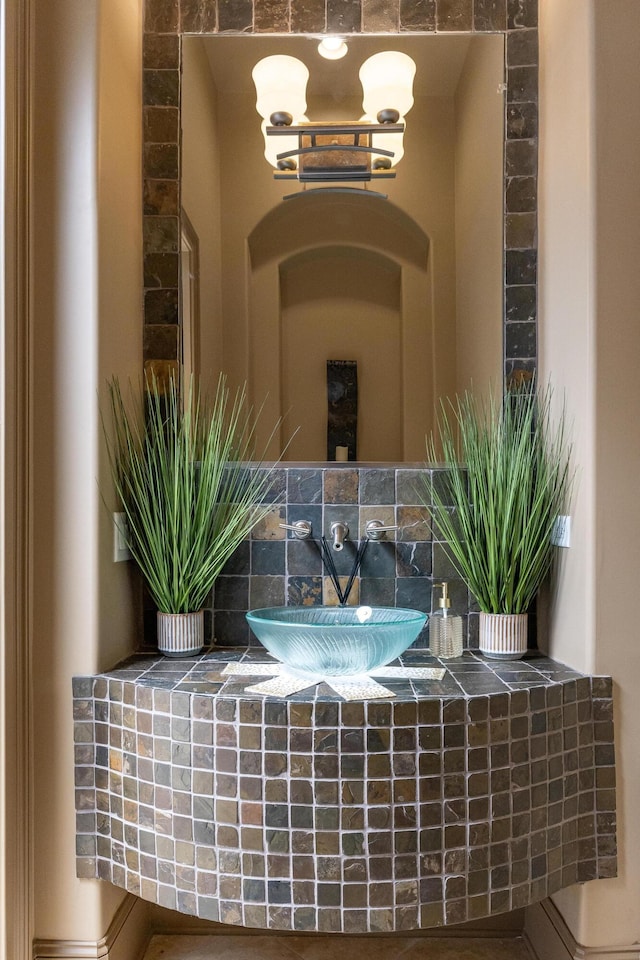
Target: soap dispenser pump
[(445, 628)]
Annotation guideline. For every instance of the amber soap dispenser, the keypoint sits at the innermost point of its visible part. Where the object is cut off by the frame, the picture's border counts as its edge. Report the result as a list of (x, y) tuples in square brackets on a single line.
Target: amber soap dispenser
[(445, 628)]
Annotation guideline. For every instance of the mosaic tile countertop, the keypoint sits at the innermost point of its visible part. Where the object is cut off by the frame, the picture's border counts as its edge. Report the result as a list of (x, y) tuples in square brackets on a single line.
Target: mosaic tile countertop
[(450, 800)]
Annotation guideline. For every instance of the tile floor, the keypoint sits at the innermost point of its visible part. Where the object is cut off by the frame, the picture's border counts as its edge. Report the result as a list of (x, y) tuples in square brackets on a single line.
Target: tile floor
[(256, 947)]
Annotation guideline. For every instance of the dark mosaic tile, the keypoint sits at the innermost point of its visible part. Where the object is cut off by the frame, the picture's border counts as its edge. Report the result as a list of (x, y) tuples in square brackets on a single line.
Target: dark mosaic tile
[(418, 15), (377, 486), (521, 195), (239, 563), (521, 14), (160, 235), (231, 593), (161, 161), (378, 592), (308, 16), (161, 270), (520, 231), (231, 628), (271, 16), (235, 15), (304, 591), (161, 16), (522, 48), (161, 307), (522, 121), (161, 51), (521, 340), (521, 267), (344, 16), (198, 16), (522, 84), (379, 560), (521, 158), (303, 558), (490, 15), (411, 485), (414, 592), (454, 14), (160, 342), (304, 485), (160, 88), (161, 124), (341, 486), (380, 16), (268, 557)]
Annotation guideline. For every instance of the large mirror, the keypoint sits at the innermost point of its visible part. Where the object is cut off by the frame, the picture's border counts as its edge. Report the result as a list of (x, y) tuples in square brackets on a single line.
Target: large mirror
[(409, 285)]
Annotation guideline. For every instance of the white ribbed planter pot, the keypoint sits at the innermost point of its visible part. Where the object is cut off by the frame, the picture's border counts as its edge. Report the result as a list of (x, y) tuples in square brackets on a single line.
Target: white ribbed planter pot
[(180, 634), (503, 636)]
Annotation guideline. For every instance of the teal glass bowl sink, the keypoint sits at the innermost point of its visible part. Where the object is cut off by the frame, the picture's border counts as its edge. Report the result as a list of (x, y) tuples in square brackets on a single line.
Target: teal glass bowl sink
[(336, 641)]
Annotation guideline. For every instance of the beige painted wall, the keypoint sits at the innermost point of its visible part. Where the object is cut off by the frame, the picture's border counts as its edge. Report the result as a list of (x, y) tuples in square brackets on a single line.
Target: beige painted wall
[(590, 340), (344, 305), (478, 218), (86, 305), (201, 200)]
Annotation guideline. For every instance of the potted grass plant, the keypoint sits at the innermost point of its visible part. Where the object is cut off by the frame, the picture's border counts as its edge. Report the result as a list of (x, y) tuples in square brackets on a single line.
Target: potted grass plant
[(507, 479), (179, 469)]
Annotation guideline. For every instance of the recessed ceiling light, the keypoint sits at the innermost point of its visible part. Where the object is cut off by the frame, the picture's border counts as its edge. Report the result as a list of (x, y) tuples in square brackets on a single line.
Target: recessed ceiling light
[(332, 48)]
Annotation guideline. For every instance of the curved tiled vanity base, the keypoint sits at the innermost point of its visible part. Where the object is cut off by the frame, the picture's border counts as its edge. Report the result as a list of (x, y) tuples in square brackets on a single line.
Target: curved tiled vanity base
[(452, 801)]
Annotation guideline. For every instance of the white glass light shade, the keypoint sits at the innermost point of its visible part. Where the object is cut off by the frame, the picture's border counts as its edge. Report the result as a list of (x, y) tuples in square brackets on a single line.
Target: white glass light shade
[(332, 48), (281, 85), (387, 82)]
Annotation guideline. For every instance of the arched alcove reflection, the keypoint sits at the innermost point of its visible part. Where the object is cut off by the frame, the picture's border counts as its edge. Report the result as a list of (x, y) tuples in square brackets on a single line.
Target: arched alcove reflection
[(344, 277)]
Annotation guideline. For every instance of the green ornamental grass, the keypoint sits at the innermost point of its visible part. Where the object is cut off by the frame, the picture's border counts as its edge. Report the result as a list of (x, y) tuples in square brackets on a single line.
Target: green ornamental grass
[(180, 471), (508, 478)]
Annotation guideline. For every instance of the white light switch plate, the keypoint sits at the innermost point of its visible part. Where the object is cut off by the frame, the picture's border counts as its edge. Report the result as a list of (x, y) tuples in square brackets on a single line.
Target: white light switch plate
[(120, 549), (561, 535)]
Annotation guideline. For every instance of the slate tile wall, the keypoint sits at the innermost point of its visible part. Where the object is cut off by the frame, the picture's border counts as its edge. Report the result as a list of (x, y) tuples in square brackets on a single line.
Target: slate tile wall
[(274, 568)]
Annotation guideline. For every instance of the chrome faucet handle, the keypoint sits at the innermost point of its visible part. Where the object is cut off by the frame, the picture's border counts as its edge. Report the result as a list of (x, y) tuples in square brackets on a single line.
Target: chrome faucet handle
[(300, 528), (376, 529)]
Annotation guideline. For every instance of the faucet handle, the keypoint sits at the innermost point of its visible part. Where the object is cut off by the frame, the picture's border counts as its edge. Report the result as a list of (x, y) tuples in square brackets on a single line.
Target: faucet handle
[(301, 528), (376, 529)]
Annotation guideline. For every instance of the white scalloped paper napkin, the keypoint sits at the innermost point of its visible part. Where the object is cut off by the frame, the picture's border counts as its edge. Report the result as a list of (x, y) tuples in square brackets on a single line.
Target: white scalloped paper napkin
[(408, 673), (281, 686), (358, 687)]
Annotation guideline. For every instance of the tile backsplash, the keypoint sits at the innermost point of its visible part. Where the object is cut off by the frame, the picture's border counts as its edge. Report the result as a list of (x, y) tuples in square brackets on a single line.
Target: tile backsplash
[(274, 568)]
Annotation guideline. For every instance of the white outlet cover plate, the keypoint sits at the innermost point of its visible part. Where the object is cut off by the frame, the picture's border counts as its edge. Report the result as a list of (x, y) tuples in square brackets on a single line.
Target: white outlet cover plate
[(120, 549), (561, 535)]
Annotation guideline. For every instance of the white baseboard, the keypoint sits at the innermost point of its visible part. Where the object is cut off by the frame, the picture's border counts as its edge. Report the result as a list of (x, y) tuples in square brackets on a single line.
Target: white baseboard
[(126, 938), (549, 938)]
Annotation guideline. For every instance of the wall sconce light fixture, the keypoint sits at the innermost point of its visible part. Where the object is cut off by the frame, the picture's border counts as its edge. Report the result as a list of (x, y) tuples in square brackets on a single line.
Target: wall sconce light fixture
[(327, 152)]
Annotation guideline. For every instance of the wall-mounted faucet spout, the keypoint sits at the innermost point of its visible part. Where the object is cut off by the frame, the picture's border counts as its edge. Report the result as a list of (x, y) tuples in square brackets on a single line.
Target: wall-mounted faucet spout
[(339, 532)]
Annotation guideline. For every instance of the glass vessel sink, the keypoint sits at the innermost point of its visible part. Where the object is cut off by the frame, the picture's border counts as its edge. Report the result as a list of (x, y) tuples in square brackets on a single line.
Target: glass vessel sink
[(336, 641)]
